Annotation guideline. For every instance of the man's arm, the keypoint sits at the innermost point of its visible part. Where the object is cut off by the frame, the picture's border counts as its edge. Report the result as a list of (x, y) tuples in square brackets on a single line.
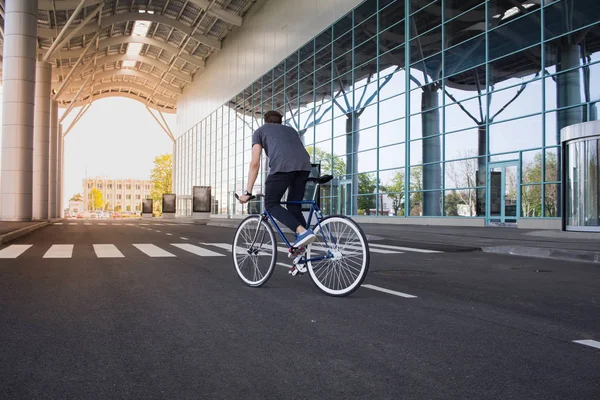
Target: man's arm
[(254, 166), (252, 171)]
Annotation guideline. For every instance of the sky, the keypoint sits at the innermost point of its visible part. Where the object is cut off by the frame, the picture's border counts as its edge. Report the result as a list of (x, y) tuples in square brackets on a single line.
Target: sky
[(116, 138)]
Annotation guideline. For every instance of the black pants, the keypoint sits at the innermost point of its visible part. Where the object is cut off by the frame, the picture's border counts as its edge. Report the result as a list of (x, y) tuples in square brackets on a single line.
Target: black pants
[(275, 187)]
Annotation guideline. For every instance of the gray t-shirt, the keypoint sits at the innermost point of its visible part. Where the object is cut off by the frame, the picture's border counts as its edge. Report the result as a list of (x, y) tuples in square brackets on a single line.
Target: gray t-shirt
[(283, 147)]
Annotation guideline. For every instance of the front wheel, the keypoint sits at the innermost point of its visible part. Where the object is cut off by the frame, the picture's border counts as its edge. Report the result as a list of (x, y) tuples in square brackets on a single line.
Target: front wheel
[(254, 251), (339, 257)]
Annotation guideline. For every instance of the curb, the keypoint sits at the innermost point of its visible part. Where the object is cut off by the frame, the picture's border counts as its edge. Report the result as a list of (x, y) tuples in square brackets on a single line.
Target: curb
[(543, 252), (7, 237)]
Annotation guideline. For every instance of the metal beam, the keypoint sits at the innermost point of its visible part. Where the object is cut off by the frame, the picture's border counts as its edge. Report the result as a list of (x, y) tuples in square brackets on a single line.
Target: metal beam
[(165, 128), (72, 33), (219, 12), (65, 82), (127, 95), (80, 114), (75, 100), (120, 40), (136, 16), (63, 5), (138, 58), (183, 45), (63, 31), (103, 74), (127, 86)]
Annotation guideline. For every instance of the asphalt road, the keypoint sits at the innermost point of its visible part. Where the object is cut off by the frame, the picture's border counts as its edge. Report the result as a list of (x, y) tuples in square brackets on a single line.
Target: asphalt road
[(141, 317)]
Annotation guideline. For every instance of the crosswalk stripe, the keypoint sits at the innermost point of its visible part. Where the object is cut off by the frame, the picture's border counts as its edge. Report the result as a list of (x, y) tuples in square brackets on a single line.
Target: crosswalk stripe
[(58, 223), (153, 251), (107, 251), (72, 223), (59, 251), (101, 223), (227, 246), (199, 251), (372, 250), (14, 250), (414, 250), (87, 223)]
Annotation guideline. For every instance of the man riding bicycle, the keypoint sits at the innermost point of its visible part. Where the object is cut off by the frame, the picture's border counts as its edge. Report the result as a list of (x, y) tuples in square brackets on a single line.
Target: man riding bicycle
[(289, 169)]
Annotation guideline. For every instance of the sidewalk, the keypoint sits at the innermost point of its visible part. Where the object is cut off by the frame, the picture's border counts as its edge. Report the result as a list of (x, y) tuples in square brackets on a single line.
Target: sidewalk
[(573, 246), (570, 246), (13, 230)]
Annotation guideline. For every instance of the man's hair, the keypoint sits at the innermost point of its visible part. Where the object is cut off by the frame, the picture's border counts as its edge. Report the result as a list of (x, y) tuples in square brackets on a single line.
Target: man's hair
[(273, 117)]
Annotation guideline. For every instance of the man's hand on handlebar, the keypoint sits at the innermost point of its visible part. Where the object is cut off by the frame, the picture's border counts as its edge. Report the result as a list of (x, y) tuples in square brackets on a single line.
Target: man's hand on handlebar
[(244, 199)]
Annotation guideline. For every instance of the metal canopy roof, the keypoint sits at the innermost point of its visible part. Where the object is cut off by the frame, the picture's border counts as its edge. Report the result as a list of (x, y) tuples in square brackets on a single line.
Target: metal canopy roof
[(147, 50)]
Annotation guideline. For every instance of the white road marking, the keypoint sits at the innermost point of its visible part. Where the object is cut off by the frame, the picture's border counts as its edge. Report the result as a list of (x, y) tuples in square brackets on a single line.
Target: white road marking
[(414, 250), (169, 234), (72, 223), (117, 224), (591, 343), (284, 265), (388, 291), (58, 223), (144, 224), (227, 246), (59, 251), (153, 251), (157, 230), (101, 223), (224, 246), (87, 223), (107, 251), (14, 250), (184, 238), (199, 251)]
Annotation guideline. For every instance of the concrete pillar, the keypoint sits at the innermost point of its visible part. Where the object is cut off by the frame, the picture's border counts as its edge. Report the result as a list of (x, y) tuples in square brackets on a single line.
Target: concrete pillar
[(432, 153), (568, 93), (41, 144), (18, 75), (352, 142), (52, 175), (59, 172)]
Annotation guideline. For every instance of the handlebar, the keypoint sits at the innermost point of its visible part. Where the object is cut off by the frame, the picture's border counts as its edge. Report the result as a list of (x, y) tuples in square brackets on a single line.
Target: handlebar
[(238, 197)]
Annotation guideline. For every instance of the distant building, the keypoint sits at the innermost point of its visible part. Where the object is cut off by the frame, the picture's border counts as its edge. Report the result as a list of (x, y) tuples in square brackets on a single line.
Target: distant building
[(121, 195), (76, 207)]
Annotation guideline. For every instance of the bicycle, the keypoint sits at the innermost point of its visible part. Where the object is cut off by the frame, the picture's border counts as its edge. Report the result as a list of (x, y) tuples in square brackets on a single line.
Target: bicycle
[(254, 243)]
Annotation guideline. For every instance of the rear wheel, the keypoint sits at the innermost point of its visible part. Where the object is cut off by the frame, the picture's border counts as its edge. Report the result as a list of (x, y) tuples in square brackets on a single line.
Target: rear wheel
[(254, 263), (344, 251)]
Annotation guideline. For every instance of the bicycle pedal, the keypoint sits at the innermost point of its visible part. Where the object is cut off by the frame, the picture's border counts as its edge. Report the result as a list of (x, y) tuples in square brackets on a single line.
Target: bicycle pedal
[(294, 252)]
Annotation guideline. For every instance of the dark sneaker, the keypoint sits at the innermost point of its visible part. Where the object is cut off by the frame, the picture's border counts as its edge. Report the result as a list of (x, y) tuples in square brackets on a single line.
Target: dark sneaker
[(305, 238)]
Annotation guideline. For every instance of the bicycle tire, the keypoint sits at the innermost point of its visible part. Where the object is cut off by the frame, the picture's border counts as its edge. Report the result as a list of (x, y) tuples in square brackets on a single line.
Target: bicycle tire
[(237, 248), (319, 231)]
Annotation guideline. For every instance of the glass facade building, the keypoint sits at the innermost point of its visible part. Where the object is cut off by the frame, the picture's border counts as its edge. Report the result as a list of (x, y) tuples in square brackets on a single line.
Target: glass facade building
[(438, 109)]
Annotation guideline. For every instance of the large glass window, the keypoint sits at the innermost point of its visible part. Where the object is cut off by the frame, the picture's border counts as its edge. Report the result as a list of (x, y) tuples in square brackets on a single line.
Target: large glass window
[(408, 103)]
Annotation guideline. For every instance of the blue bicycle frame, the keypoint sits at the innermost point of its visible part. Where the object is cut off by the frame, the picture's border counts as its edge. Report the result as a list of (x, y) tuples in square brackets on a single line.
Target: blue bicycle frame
[(314, 209)]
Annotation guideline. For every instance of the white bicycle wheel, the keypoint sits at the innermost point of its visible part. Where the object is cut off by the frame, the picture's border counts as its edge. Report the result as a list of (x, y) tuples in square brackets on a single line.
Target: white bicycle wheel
[(345, 251), (254, 263)]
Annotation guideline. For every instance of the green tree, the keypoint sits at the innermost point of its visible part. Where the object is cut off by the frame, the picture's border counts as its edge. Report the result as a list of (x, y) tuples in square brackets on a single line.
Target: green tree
[(395, 189), (531, 195), (451, 203), (323, 157), (416, 186), (95, 200), (162, 177), (76, 197), (366, 184)]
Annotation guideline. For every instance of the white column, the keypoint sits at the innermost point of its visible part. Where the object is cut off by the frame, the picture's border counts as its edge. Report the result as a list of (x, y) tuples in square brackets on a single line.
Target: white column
[(18, 75), (59, 172), (41, 143), (53, 181)]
